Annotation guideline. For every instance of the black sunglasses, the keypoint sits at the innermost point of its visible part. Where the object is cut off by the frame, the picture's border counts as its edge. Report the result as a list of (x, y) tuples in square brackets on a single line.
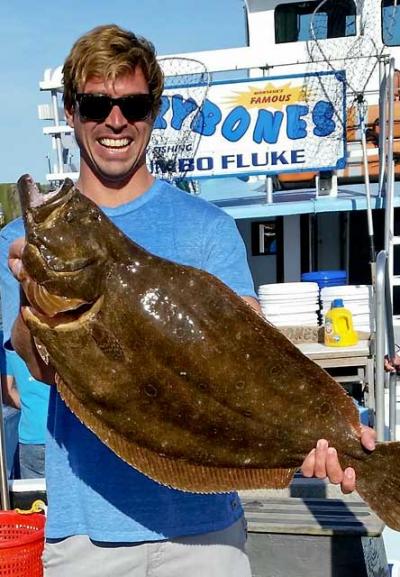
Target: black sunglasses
[(97, 107)]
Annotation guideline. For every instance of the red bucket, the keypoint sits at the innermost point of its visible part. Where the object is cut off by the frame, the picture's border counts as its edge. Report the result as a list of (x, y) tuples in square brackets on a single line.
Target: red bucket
[(21, 544)]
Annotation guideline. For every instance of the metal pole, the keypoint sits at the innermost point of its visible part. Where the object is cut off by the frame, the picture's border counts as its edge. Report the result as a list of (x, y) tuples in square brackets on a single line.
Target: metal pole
[(391, 353), (368, 193), (58, 142), (392, 406), (270, 189), (5, 497), (382, 123), (380, 345), (310, 242), (389, 213)]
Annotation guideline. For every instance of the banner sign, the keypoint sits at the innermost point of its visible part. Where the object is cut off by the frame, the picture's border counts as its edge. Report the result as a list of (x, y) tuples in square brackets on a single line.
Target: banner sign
[(267, 125)]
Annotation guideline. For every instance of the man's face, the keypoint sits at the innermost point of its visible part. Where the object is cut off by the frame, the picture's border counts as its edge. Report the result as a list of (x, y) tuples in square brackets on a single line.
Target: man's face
[(113, 149)]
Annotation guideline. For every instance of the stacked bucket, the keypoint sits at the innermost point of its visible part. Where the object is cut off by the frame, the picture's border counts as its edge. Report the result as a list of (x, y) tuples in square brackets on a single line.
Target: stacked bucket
[(306, 303), (290, 304), (357, 298)]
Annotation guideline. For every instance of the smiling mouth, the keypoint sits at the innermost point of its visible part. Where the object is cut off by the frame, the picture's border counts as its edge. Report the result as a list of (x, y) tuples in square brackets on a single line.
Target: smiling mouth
[(115, 143)]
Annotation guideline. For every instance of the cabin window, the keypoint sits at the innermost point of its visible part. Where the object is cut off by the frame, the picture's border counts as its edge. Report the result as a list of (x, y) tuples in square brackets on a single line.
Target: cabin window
[(334, 19), (391, 22)]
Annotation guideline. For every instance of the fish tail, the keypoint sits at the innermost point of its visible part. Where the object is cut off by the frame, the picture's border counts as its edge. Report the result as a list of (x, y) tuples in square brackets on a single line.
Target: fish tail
[(378, 482)]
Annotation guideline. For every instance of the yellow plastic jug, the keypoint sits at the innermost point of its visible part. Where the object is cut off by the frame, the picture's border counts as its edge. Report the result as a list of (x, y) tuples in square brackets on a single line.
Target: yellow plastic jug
[(339, 330)]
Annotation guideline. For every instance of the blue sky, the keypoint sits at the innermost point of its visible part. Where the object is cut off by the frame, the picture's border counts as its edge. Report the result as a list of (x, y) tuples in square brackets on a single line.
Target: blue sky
[(38, 35)]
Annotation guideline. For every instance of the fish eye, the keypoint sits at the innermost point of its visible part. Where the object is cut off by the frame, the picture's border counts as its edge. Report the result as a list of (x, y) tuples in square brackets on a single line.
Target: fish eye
[(92, 216)]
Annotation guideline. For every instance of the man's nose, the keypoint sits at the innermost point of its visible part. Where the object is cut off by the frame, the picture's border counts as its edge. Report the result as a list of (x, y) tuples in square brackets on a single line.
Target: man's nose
[(116, 119)]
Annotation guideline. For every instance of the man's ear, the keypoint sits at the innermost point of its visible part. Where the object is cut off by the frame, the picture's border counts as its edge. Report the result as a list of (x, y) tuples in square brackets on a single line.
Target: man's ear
[(69, 116)]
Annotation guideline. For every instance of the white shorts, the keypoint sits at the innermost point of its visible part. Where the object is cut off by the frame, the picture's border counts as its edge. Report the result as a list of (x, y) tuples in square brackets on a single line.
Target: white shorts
[(215, 554)]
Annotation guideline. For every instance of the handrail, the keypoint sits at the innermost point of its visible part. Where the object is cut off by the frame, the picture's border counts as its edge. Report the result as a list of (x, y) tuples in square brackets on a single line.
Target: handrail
[(384, 338)]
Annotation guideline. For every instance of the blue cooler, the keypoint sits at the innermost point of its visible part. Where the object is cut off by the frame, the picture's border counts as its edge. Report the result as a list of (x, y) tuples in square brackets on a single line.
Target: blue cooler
[(326, 278)]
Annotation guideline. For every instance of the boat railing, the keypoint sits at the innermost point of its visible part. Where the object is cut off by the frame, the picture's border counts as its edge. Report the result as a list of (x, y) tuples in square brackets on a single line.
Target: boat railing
[(384, 343), (384, 331)]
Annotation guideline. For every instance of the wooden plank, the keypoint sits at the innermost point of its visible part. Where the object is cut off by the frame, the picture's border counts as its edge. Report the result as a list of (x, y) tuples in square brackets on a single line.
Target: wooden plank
[(342, 362), (311, 517), (319, 351)]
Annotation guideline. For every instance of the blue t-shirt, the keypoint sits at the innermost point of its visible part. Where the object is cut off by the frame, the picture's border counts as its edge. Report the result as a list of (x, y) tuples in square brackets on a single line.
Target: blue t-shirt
[(34, 395), (90, 490), (34, 398), (3, 364)]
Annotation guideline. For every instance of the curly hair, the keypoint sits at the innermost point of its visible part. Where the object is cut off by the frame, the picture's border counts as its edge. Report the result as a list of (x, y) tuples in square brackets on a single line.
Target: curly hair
[(109, 52)]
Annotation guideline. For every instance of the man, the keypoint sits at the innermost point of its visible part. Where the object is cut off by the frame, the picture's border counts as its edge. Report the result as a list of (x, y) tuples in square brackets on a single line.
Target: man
[(392, 365), (32, 398), (9, 391), (104, 517), (21, 391)]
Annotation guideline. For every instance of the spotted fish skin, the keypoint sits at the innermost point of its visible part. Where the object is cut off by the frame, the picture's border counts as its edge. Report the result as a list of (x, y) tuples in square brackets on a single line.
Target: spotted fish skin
[(176, 373)]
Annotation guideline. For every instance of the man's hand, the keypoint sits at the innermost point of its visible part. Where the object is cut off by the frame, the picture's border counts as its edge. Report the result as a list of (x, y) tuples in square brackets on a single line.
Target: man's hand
[(392, 365), (323, 462), (14, 258)]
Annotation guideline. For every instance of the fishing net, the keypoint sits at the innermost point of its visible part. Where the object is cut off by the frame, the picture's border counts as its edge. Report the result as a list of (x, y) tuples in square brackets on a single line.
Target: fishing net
[(344, 37), (358, 49), (174, 143)]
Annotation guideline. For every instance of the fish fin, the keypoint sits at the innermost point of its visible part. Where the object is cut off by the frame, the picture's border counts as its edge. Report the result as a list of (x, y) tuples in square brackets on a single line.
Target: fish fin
[(378, 481), (106, 342), (175, 473)]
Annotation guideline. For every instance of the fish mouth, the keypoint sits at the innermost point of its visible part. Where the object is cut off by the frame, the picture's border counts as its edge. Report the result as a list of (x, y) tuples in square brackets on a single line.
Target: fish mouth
[(35, 202), (41, 295), (65, 320)]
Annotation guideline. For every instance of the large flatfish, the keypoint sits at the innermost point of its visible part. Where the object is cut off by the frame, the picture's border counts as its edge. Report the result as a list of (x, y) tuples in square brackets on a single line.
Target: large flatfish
[(173, 371)]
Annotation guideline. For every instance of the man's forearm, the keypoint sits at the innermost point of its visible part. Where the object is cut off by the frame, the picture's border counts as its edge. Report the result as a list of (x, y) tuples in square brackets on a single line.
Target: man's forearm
[(24, 345)]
